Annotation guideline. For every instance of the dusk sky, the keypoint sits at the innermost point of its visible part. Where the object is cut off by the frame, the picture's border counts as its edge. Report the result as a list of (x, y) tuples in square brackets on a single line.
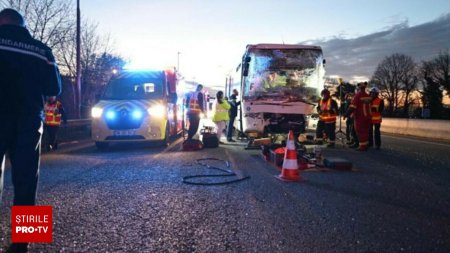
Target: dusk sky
[(212, 35)]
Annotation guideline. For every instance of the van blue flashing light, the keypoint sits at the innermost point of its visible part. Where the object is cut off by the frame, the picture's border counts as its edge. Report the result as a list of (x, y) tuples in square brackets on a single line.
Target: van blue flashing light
[(137, 114), (110, 115)]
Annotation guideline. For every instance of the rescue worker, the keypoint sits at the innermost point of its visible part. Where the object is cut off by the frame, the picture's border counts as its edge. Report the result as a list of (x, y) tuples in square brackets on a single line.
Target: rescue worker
[(54, 113), (233, 114), (327, 109), (360, 107), (28, 73), (196, 106), (348, 121), (377, 110), (221, 116)]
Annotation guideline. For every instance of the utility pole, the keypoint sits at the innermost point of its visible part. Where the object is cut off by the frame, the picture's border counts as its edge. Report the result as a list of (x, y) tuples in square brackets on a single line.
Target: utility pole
[(78, 62)]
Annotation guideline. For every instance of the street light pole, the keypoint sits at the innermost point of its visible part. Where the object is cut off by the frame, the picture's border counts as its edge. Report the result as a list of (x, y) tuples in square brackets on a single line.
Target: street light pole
[(78, 62)]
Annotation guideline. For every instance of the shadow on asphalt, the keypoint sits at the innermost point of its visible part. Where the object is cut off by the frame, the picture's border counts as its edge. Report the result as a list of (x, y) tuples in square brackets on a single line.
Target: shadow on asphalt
[(128, 148)]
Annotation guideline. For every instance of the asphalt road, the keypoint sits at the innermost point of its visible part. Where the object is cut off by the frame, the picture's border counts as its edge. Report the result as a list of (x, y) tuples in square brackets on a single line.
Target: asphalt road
[(132, 199)]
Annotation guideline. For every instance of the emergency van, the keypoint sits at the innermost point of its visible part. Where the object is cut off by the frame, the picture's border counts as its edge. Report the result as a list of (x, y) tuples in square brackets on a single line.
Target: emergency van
[(138, 106)]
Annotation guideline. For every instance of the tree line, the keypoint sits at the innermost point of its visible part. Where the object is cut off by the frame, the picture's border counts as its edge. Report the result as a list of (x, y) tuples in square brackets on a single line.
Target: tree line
[(410, 88), (54, 23)]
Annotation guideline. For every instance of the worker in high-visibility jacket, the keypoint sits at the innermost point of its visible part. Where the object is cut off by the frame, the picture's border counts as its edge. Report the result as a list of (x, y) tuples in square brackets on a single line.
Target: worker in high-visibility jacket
[(327, 109), (54, 114), (195, 105), (221, 116), (361, 110), (377, 109)]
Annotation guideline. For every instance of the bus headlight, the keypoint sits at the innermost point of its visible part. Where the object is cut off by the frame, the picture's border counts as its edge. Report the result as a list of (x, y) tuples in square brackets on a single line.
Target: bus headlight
[(157, 111), (96, 112)]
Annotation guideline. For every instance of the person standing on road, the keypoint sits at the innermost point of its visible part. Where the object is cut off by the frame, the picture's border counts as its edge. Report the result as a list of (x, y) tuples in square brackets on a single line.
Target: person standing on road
[(221, 116), (327, 109), (28, 73), (377, 110), (233, 114), (54, 113), (349, 120), (360, 107), (196, 106)]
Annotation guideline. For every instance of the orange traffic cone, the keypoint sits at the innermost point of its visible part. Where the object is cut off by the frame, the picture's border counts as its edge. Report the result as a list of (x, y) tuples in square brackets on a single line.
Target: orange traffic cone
[(290, 171)]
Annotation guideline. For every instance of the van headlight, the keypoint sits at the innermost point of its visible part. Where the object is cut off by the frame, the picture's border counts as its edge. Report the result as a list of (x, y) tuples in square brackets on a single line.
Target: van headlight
[(157, 111), (96, 112)]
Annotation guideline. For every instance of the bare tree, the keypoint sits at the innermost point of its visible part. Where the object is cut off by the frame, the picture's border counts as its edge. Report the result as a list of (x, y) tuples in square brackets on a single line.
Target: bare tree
[(397, 78), (441, 70), (53, 22), (432, 93), (49, 21)]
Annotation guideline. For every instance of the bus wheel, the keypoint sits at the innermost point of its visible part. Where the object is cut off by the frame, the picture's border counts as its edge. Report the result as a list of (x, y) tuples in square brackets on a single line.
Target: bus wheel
[(101, 145)]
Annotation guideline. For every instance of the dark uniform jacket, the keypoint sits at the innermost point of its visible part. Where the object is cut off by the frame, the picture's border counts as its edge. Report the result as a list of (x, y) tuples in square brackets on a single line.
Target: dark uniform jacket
[(28, 72), (234, 106)]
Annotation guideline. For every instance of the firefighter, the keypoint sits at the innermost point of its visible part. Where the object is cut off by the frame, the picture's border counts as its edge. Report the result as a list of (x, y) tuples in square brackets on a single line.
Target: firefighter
[(54, 113), (377, 109), (360, 107), (327, 109), (196, 107), (28, 73)]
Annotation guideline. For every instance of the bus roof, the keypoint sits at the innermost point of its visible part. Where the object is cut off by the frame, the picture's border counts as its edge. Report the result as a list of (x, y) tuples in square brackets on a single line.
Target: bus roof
[(282, 46)]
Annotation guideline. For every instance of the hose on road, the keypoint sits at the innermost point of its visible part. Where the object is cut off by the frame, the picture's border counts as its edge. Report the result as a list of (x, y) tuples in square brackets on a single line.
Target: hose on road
[(227, 173)]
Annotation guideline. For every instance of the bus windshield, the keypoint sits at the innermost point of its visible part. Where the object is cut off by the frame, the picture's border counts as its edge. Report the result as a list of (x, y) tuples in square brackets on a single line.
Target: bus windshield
[(134, 88), (298, 73)]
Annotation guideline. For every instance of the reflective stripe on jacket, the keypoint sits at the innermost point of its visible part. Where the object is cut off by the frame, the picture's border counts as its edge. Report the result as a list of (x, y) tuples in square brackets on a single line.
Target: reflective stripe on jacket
[(52, 114), (376, 114), (327, 117), (194, 106), (221, 111)]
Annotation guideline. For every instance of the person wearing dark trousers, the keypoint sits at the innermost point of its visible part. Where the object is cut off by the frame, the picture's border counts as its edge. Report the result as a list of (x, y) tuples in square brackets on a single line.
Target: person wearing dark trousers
[(195, 107), (327, 109), (233, 114), (348, 121), (28, 73), (377, 110), (360, 109), (54, 113)]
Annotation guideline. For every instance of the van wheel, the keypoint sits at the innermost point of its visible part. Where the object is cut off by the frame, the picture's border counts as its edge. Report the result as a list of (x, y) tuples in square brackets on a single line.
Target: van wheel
[(101, 145)]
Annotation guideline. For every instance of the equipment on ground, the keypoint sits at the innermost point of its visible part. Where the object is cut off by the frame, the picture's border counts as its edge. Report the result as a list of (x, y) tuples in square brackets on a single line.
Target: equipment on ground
[(192, 145), (209, 137)]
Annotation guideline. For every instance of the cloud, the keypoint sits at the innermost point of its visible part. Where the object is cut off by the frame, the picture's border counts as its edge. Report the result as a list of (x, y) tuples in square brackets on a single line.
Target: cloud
[(356, 59)]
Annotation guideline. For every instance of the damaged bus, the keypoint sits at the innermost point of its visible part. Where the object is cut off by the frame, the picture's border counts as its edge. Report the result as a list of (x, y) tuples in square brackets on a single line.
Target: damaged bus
[(280, 85)]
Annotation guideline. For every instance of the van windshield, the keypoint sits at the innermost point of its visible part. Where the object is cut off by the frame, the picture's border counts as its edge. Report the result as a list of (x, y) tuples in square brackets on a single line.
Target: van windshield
[(134, 88)]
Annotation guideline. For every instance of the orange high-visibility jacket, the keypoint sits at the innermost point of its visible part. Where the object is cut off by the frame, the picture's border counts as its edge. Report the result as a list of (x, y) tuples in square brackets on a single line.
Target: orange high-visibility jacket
[(376, 114), (194, 106), (326, 115), (53, 114)]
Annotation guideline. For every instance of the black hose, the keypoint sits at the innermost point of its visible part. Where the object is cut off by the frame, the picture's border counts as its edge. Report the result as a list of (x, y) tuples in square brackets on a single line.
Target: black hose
[(227, 173)]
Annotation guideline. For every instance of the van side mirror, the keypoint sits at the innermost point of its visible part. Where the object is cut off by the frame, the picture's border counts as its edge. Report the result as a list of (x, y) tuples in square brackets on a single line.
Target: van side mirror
[(324, 61), (98, 97)]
